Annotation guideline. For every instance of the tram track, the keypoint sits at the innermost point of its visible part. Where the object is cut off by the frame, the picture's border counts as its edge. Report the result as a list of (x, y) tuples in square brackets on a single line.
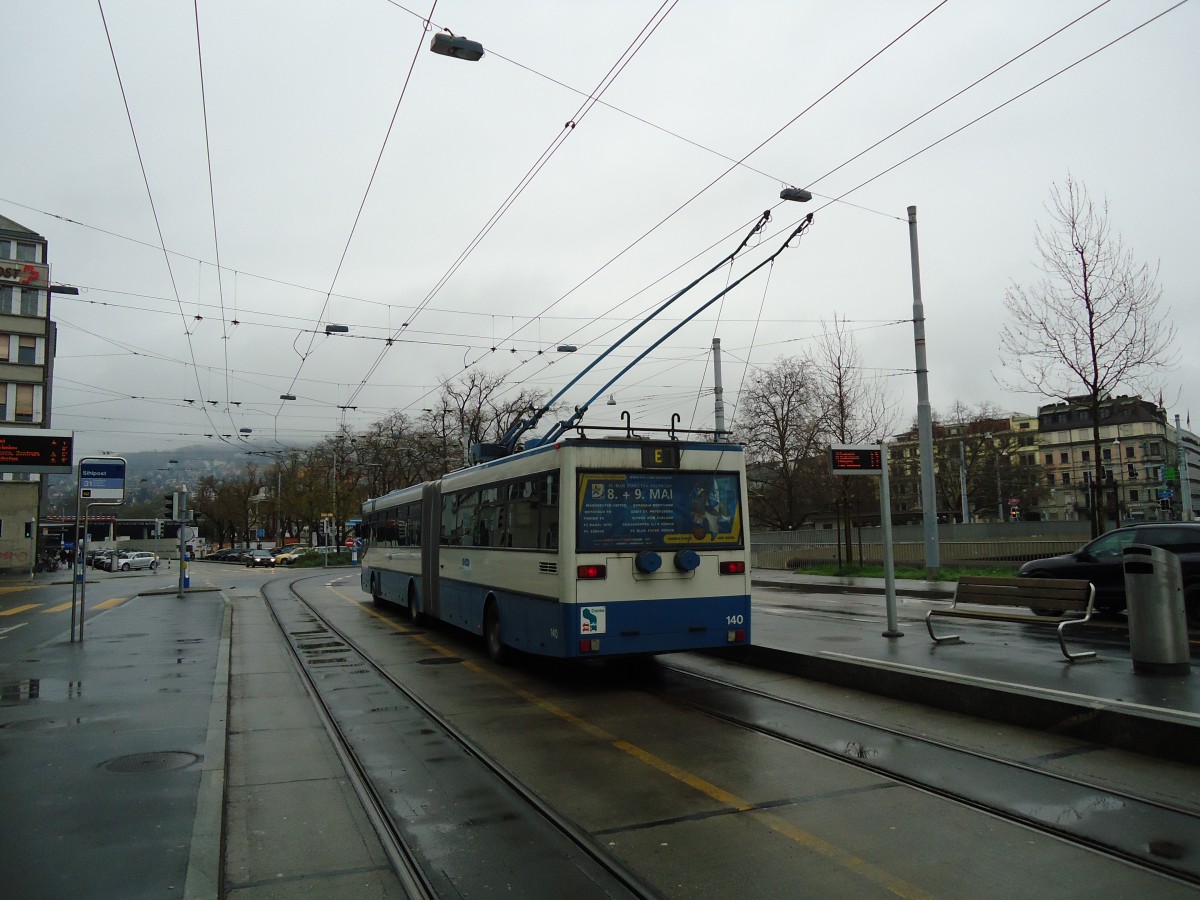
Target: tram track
[(453, 821), (1147, 833)]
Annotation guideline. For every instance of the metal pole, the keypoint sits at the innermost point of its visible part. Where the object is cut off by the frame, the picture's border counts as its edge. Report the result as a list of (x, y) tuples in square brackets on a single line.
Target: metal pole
[(718, 391), (79, 552), (999, 495), (924, 414), (1185, 486), (181, 514), (962, 483), (889, 565)]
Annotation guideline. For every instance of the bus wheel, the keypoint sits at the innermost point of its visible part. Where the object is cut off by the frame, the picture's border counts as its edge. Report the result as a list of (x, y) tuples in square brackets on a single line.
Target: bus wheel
[(414, 614), (376, 594), (496, 648)]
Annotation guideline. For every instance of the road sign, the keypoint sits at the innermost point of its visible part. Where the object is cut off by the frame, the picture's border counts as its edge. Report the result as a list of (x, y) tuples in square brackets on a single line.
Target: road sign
[(36, 450), (102, 479)]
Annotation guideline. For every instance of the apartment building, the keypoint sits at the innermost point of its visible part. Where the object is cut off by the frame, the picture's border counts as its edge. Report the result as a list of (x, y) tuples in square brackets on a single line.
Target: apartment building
[(27, 339)]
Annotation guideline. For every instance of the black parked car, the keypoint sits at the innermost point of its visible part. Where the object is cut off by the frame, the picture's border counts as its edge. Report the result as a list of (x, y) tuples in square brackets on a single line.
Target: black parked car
[(1102, 563)]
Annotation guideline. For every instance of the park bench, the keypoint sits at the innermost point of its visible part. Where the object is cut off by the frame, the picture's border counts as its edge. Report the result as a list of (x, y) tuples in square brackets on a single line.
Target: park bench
[(1055, 599)]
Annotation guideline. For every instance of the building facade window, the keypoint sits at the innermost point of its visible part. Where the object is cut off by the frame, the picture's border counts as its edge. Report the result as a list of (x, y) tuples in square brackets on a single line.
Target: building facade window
[(1086, 455), (27, 252), (27, 350), (23, 403), (29, 301), (1064, 457), (1066, 477)]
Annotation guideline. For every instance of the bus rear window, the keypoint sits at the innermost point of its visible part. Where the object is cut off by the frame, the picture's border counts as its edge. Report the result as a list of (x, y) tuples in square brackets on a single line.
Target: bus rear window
[(658, 510)]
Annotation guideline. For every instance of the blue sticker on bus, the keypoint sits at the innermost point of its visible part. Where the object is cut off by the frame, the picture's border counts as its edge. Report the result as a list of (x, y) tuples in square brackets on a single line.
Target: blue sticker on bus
[(658, 510)]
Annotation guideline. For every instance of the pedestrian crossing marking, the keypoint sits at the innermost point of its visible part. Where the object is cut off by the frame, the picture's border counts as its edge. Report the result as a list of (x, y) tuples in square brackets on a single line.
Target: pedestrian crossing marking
[(19, 609), (62, 607), (109, 604), (15, 588)]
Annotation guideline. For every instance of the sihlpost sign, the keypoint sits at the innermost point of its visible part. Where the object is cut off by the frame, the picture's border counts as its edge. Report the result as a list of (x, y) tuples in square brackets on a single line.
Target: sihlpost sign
[(102, 479)]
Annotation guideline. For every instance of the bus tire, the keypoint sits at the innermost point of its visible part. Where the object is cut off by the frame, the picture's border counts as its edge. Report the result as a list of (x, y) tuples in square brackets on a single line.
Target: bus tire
[(497, 650), (376, 594), (414, 614)]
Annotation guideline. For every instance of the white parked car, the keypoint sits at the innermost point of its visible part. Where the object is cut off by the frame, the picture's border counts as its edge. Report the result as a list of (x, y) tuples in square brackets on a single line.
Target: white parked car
[(135, 559)]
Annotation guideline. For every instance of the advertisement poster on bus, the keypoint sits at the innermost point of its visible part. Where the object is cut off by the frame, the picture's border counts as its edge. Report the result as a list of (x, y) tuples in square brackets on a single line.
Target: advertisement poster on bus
[(658, 510)]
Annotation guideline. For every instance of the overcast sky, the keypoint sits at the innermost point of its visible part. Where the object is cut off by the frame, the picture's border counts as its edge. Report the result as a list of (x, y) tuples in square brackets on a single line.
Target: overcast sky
[(266, 172)]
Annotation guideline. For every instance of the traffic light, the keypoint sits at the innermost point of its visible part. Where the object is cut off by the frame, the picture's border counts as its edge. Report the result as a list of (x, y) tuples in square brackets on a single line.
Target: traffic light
[(1014, 514), (171, 508)]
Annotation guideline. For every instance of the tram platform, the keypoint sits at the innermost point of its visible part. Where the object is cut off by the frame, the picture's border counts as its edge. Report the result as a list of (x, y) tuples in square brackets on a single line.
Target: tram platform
[(999, 670), (175, 753)]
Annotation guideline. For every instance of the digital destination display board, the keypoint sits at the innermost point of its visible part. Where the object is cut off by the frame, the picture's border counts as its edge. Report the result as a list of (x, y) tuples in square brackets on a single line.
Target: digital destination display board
[(847, 459), (669, 510), (36, 450)]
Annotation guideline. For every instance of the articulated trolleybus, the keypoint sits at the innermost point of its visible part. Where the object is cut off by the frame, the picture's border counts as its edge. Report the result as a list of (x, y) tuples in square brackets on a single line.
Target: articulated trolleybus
[(579, 548)]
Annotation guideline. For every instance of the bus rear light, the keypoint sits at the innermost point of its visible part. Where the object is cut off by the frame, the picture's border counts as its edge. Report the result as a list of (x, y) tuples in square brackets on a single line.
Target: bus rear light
[(733, 567), (589, 645), (736, 637), (591, 572)]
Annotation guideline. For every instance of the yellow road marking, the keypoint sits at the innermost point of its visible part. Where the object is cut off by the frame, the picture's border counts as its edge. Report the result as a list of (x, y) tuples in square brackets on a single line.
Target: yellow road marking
[(806, 839), (62, 607), (15, 588), (20, 609), (109, 604)]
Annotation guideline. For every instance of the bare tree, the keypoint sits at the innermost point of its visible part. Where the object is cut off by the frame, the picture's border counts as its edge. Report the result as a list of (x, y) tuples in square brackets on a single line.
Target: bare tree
[(1092, 323), (855, 407), (782, 423)]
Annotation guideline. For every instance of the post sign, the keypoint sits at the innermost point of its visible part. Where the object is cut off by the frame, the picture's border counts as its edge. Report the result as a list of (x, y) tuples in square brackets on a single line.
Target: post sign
[(36, 450), (102, 479), (856, 459)]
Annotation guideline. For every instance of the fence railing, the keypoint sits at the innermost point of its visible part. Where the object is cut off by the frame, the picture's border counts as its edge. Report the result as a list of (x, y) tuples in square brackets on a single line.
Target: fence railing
[(982, 553)]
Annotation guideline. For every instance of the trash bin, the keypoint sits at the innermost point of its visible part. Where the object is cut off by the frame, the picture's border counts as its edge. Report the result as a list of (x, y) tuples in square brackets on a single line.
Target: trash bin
[(1158, 637)]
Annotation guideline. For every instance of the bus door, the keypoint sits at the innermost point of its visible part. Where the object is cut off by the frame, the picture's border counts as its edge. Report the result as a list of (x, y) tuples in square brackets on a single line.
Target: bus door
[(431, 529)]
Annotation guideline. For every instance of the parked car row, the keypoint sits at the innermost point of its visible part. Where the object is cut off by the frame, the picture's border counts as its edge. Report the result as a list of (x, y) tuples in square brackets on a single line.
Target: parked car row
[(282, 556), (120, 560)]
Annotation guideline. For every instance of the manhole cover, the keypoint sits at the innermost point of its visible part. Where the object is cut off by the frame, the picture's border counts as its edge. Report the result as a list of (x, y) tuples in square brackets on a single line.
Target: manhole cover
[(158, 761), (439, 661)]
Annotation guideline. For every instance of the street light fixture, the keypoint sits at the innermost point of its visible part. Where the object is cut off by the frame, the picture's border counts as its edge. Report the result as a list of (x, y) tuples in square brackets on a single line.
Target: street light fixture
[(445, 43), (336, 329), (799, 195)]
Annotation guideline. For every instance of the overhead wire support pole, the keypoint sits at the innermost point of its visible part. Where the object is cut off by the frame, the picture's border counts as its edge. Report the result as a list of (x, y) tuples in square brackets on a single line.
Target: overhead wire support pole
[(924, 414), (568, 423), (509, 441)]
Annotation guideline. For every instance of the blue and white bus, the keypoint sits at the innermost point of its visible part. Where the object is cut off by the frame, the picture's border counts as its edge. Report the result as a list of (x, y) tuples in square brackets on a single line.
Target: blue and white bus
[(576, 549)]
